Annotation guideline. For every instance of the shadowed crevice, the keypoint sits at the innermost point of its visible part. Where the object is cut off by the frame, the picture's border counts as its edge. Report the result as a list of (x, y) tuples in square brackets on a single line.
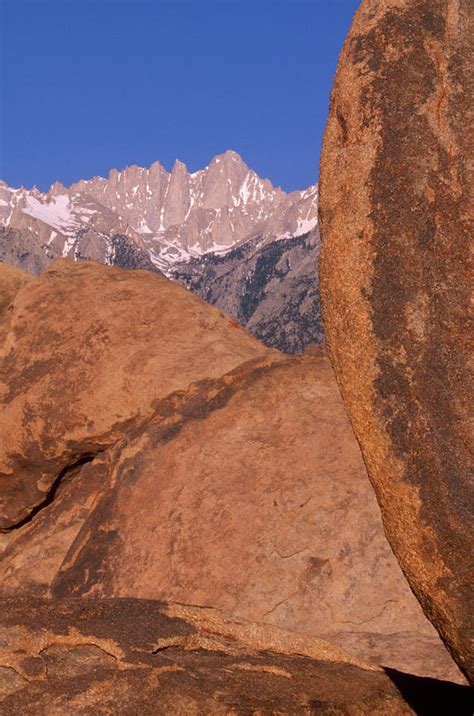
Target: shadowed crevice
[(51, 494), (428, 697)]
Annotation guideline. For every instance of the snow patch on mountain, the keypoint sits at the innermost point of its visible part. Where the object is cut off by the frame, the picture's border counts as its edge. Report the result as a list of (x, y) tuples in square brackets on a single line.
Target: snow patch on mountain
[(59, 212), (56, 213), (304, 226)]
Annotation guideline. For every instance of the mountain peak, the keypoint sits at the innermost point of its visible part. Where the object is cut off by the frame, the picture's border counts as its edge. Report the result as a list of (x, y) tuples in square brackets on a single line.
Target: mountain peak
[(230, 165), (57, 188), (156, 166), (229, 158), (232, 154), (179, 167)]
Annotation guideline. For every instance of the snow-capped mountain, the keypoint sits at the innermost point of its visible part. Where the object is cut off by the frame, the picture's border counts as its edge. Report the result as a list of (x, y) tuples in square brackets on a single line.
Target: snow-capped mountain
[(172, 216), (40, 227), (225, 233)]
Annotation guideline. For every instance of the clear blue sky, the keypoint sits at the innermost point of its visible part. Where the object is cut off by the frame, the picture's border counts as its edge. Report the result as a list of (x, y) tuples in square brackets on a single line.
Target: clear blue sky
[(88, 85)]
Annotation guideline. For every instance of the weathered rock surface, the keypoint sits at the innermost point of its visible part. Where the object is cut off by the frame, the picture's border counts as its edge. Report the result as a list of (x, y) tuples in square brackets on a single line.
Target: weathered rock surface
[(246, 493), (135, 656), (395, 287), (25, 250), (84, 351), (11, 280), (125, 254)]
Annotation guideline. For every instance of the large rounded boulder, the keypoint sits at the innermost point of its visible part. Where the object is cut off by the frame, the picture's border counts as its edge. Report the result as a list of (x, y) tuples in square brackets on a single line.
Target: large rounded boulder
[(86, 350), (395, 285)]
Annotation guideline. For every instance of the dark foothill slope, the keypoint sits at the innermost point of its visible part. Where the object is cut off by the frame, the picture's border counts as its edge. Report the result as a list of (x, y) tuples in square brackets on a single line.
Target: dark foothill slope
[(123, 253), (270, 289), (24, 250), (21, 248), (395, 285)]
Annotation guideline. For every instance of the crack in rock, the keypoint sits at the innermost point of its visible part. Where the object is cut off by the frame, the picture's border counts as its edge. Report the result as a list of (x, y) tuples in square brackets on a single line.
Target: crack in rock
[(51, 494)]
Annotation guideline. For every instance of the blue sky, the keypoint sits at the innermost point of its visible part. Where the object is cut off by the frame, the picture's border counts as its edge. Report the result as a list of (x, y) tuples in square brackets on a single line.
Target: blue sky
[(88, 85)]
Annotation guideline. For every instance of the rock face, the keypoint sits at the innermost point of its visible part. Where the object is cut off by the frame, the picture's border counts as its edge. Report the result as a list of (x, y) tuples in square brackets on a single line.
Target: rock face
[(24, 250), (86, 350), (11, 280), (141, 657), (395, 289), (125, 254), (247, 493), (270, 288)]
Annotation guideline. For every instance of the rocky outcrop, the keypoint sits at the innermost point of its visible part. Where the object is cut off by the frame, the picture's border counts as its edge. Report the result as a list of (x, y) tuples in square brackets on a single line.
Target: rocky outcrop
[(136, 656), (247, 493), (24, 250), (125, 254), (85, 351), (270, 288), (395, 285)]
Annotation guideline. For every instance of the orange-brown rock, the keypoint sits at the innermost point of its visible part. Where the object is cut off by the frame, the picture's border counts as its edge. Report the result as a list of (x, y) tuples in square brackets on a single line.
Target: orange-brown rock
[(11, 280), (246, 493), (84, 351), (131, 656), (395, 284)]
